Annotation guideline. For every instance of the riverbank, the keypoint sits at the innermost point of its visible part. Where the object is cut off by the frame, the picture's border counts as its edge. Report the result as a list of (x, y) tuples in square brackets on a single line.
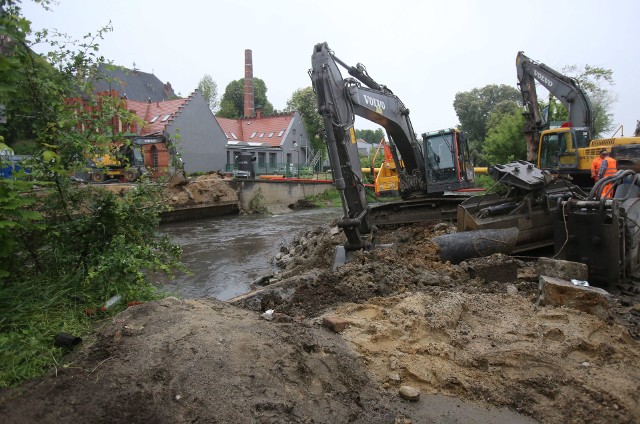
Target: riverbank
[(409, 320)]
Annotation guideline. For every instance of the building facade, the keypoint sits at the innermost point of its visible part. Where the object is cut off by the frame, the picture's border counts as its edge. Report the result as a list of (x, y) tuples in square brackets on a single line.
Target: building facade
[(278, 143)]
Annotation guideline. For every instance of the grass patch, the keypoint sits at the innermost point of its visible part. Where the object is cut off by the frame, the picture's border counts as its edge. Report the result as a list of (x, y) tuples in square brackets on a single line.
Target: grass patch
[(328, 198), (32, 314), (331, 198)]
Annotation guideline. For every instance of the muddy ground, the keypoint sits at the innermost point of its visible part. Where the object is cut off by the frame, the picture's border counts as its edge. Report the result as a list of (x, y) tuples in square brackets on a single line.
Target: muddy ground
[(473, 343)]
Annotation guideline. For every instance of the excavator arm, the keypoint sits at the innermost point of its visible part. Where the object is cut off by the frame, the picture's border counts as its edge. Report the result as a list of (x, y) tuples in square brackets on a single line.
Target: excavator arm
[(564, 88), (339, 101)]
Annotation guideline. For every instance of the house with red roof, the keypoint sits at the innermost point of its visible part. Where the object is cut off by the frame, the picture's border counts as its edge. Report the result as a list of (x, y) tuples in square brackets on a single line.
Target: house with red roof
[(172, 126), (278, 142), (181, 127)]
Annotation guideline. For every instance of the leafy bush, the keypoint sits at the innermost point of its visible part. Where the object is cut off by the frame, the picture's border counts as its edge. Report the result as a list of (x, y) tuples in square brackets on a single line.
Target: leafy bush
[(66, 247)]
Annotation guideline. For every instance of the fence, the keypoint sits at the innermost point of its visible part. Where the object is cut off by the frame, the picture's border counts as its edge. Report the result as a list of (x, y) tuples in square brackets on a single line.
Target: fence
[(288, 170)]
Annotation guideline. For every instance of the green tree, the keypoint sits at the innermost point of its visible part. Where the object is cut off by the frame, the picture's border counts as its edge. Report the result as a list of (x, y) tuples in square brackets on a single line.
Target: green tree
[(65, 247), (371, 136), (474, 108), (505, 141), (232, 102), (595, 80), (209, 90), (304, 101)]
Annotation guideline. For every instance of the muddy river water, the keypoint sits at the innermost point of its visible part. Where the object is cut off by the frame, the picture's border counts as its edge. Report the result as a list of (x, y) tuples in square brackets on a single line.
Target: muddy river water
[(225, 254)]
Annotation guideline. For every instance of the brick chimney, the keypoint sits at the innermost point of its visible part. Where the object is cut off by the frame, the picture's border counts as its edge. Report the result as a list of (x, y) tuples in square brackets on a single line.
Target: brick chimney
[(248, 85)]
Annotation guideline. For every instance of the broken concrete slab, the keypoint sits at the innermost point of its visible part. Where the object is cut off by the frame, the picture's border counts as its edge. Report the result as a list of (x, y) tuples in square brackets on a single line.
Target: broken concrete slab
[(565, 270), (558, 292)]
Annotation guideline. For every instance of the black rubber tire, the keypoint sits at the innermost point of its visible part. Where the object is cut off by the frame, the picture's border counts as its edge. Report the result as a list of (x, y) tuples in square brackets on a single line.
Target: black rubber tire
[(97, 176), (131, 175)]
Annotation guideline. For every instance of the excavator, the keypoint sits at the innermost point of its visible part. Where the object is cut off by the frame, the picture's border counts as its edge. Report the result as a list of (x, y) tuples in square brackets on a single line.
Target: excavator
[(545, 207), (124, 161), (427, 169), (570, 149), (538, 208)]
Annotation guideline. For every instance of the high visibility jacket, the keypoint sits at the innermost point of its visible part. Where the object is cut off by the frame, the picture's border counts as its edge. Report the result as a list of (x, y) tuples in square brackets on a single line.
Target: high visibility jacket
[(601, 168)]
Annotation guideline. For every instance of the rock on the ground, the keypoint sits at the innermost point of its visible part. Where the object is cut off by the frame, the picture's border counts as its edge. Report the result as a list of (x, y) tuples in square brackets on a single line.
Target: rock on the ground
[(558, 292), (565, 270), (409, 393), (335, 324)]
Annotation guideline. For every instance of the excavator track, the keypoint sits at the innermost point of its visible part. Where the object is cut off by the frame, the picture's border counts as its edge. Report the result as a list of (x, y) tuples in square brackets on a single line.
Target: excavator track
[(433, 209)]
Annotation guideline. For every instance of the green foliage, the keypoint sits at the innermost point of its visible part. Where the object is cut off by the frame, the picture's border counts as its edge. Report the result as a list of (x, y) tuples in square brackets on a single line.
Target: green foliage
[(371, 161), (370, 136), (484, 181), (331, 198), (232, 102), (304, 101), (328, 198), (474, 108), (594, 80), (505, 141), (209, 90), (65, 247)]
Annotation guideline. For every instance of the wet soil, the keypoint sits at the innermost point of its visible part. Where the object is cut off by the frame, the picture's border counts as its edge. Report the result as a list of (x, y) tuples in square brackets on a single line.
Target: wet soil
[(476, 349)]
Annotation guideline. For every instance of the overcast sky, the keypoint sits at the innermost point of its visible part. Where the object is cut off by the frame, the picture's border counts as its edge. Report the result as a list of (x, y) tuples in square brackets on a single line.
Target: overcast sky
[(424, 51)]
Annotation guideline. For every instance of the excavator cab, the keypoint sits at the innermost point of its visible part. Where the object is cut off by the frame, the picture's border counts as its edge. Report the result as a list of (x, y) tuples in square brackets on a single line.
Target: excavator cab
[(562, 150), (447, 160)]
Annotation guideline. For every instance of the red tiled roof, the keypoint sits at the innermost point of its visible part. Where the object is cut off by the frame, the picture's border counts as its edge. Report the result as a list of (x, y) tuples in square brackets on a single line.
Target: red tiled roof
[(163, 112), (269, 130)]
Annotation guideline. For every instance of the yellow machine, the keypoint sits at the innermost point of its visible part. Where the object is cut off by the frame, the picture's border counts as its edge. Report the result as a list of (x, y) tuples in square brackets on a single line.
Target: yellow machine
[(124, 162), (385, 178), (570, 149)]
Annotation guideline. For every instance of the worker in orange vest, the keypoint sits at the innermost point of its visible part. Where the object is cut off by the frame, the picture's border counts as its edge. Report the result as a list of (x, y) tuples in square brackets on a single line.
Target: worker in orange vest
[(601, 167)]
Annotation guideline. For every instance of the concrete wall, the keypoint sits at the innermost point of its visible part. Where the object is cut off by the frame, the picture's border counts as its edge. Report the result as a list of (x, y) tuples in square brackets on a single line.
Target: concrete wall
[(202, 142), (277, 192)]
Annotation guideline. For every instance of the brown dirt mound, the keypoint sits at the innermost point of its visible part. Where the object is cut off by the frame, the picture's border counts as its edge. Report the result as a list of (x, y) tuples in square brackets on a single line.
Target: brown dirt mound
[(203, 361), (471, 330), (204, 190)]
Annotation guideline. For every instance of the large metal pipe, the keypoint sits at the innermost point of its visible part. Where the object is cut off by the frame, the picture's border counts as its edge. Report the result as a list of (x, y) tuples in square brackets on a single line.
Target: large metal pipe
[(457, 247)]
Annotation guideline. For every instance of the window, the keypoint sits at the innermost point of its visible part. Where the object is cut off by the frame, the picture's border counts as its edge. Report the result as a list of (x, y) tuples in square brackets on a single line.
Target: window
[(280, 133), (165, 117), (154, 156), (261, 135), (154, 119), (253, 135), (234, 136), (271, 134)]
